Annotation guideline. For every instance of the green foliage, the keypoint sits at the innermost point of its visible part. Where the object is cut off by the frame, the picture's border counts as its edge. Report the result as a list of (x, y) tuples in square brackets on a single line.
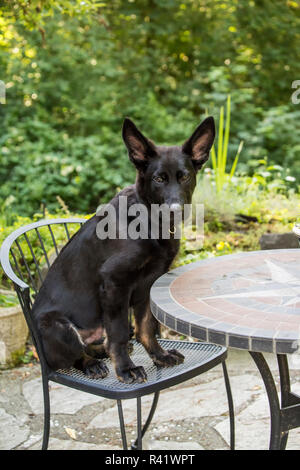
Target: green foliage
[(35, 13), (73, 71), (219, 159), (225, 230), (81, 170), (8, 300)]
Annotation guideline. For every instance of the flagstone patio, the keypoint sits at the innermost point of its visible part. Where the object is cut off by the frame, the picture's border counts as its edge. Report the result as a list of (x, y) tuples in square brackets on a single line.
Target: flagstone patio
[(192, 416)]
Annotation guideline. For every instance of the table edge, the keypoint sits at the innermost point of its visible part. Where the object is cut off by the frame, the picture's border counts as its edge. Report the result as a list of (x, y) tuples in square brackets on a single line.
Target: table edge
[(174, 316)]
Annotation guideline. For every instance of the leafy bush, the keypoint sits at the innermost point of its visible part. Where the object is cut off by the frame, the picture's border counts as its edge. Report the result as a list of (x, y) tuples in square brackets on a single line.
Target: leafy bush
[(72, 80), (82, 171)]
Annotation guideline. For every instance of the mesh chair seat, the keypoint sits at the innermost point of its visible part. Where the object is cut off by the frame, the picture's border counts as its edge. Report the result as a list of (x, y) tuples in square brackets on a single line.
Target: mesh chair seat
[(199, 357)]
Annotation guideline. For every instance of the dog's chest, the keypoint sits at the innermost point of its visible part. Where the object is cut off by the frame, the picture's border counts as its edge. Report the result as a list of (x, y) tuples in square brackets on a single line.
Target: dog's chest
[(155, 264)]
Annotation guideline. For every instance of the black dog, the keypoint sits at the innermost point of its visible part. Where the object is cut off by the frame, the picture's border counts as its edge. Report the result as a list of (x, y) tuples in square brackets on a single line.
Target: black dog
[(93, 282)]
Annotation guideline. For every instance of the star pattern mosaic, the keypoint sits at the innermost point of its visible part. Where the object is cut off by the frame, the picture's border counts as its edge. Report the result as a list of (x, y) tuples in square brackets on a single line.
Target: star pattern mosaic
[(246, 300)]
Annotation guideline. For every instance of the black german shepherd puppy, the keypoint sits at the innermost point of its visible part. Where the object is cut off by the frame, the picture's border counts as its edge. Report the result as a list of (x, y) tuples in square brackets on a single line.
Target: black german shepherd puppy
[(93, 282)]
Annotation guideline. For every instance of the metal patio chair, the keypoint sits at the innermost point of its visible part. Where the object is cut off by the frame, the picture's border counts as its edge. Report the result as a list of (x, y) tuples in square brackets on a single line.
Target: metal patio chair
[(25, 261)]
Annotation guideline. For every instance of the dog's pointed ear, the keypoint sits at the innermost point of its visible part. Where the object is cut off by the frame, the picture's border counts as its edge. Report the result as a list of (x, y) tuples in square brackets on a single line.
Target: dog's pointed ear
[(199, 144), (140, 149)]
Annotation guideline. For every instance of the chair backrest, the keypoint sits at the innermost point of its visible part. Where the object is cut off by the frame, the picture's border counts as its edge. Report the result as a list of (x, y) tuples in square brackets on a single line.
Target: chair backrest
[(27, 254)]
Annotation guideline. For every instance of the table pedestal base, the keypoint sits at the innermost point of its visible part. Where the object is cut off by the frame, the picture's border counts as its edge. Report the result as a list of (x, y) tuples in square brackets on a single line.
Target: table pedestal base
[(285, 415)]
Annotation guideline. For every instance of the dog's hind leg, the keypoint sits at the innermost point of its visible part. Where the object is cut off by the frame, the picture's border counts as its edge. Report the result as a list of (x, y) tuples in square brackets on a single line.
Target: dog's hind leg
[(61, 341), (91, 366), (97, 350), (64, 347)]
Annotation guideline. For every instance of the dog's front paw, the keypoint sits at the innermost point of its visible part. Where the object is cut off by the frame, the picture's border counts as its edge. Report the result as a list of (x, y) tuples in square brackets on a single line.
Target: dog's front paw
[(132, 374), (167, 358), (95, 369)]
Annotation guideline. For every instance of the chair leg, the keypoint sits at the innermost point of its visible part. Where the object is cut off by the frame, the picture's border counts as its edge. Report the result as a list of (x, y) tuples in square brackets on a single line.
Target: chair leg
[(148, 420), (122, 425), (230, 406), (139, 423), (46, 412)]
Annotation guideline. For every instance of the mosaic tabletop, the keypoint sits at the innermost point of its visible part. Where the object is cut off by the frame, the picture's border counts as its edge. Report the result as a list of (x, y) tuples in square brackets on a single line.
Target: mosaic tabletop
[(246, 300)]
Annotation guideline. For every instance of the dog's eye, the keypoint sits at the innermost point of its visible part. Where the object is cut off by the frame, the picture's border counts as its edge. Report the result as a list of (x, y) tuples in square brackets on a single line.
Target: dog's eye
[(185, 177), (158, 179)]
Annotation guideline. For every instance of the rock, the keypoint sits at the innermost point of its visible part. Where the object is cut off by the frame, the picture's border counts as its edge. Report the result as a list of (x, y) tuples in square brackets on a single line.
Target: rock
[(296, 230), (198, 401), (174, 445), (274, 241), (60, 444), (250, 435), (11, 433), (63, 399), (189, 416), (13, 332), (33, 439)]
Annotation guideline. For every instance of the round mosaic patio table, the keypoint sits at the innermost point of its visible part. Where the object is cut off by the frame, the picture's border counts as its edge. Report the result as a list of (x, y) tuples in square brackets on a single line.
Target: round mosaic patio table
[(247, 301)]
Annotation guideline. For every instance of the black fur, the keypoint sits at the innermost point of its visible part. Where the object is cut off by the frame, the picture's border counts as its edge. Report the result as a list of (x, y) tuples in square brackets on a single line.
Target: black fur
[(90, 286)]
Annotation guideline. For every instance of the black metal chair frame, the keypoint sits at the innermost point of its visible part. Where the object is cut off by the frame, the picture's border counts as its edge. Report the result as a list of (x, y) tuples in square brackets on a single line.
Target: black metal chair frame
[(205, 355)]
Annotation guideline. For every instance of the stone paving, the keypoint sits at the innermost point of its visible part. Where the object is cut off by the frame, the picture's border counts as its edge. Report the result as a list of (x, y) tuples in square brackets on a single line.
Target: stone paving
[(192, 416)]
